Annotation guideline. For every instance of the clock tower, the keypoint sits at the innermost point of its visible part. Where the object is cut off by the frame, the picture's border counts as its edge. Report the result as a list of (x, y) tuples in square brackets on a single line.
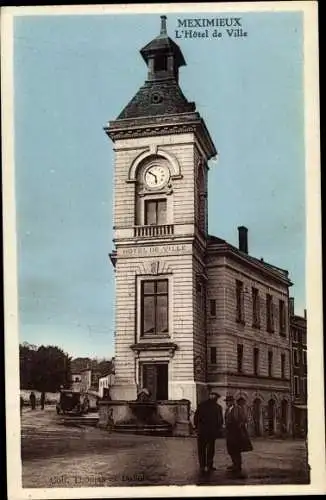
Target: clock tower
[(162, 147)]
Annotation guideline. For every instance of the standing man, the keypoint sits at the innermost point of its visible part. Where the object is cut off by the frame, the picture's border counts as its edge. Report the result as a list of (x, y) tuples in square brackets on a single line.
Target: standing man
[(237, 438), (21, 404), (208, 421), (32, 399), (42, 400)]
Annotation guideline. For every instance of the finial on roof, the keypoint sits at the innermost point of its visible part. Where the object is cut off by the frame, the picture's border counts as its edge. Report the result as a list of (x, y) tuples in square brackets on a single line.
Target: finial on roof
[(163, 25)]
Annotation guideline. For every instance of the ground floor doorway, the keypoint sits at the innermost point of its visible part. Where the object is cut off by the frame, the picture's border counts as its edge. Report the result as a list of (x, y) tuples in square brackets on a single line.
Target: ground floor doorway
[(154, 377)]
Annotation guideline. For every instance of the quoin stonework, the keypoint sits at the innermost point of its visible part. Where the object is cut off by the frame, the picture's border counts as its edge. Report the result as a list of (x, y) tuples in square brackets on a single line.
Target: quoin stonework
[(193, 313)]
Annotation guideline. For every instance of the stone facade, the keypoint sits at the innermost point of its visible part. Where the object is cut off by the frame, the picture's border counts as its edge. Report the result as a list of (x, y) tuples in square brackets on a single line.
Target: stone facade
[(253, 355), (298, 331), (181, 338)]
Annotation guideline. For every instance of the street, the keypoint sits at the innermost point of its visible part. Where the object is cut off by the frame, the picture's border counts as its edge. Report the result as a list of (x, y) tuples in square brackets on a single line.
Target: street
[(57, 455)]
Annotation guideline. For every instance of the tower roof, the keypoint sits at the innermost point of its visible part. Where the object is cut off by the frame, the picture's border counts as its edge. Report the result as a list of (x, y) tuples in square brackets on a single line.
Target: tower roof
[(159, 106), (157, 98), (163, 44), (160, 94)]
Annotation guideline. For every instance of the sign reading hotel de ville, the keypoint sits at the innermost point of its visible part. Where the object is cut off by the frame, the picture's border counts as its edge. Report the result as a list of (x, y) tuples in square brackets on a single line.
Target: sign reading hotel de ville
[(155, 251), (162, 250)]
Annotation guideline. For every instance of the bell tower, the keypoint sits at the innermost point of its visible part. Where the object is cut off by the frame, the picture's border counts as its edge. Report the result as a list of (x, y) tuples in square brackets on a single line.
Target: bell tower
[(162, 147)]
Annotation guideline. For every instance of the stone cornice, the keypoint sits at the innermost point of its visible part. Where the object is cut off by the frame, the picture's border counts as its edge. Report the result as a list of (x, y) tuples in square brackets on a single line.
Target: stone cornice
[(260, 266), (181, 123), (170, 347)]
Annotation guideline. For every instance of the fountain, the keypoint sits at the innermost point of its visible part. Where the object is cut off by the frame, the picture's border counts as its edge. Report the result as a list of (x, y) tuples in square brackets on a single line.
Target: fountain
[(144, 418)]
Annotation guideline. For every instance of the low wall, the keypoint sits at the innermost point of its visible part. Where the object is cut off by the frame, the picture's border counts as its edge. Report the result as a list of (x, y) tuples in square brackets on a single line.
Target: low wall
[(175, 413), (50, 397)]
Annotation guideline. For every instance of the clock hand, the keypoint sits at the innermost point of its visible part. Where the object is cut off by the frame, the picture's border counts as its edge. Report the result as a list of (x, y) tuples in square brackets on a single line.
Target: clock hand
[(153, 175)]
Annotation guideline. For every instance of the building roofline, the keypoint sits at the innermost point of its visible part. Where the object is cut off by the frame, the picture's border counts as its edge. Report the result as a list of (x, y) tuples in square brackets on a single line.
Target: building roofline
[(216, 244), (298, 318)]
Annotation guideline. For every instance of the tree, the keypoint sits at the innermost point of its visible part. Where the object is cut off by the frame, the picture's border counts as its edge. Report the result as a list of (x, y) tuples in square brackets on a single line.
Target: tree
[(44, 369), (27, 355)]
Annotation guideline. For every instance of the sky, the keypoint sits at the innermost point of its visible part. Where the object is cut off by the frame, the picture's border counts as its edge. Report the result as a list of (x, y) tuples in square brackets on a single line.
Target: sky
[(72, 74)]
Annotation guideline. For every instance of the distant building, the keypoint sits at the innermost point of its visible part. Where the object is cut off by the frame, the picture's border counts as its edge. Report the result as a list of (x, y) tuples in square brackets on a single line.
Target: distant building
[(86, 373), (75, 378), (104, 384), (76, 381), (86, 379), (298, 327)]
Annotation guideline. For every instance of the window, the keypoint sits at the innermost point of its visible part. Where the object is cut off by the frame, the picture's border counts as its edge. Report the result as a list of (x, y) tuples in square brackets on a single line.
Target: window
[(270, 363), (240, 357), (304, 386), (304, 357), (154, 307), (296, 386), (296, 357), (213, 355), (212, 307), (255, 308), (201, 293), (160, 63), (295, 335), (283, 365), (240, 301), (269, 313), (256, 360), (282, 317), (155, 212)]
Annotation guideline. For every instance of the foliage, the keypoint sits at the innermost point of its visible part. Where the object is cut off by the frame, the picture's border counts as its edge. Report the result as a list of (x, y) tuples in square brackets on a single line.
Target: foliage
[(44, 368)]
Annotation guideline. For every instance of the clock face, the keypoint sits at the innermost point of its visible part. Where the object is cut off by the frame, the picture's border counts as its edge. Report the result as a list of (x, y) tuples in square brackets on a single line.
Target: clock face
[(157, 176)]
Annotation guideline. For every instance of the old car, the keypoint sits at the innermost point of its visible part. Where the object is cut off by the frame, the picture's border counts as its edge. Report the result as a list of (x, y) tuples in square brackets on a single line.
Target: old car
[(72, 402)]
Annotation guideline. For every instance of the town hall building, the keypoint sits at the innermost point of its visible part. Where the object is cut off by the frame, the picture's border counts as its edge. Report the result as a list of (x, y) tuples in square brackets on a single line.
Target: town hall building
[(193, 313)]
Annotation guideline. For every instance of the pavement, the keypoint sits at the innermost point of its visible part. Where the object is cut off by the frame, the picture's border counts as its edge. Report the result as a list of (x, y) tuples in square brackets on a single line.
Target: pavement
[(60, 455)]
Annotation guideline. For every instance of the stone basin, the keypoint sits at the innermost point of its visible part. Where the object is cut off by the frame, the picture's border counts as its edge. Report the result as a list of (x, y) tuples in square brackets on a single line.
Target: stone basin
[(146, 417)]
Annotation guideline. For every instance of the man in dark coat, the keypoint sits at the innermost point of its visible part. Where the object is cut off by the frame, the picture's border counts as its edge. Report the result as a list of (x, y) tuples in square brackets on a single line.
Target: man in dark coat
[(32, 399), (21, 403), (42, 400), (208, 421), (237, 438)]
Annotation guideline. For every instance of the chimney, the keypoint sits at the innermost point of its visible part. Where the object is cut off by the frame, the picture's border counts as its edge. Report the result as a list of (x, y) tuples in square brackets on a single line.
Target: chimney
[(305, 313), (243, 239), (291, 306)]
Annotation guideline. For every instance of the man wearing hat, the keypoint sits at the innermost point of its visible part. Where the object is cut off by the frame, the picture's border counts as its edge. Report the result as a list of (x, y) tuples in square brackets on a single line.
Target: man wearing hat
[(237, 438), (208, 421)]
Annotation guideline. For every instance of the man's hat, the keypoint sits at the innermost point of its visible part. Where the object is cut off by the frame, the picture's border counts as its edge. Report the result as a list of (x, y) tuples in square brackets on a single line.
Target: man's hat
[(229, 398), (241, 399), (214, 393)]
